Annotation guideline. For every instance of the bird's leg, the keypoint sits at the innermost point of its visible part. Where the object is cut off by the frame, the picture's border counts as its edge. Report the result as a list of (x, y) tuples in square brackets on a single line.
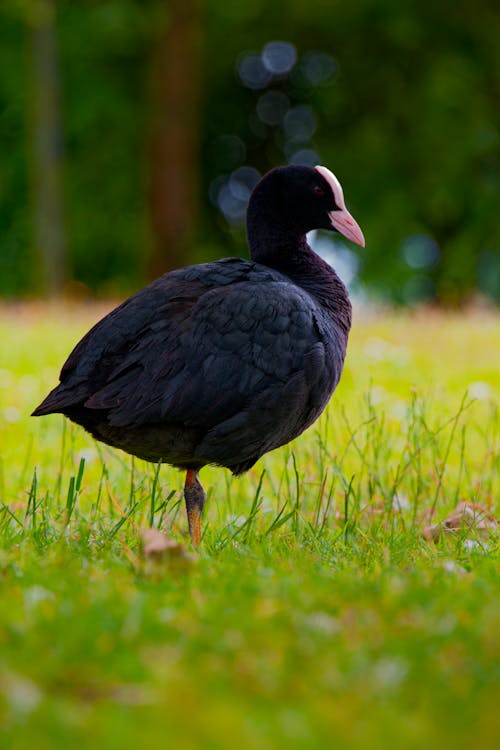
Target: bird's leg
[(194, 495)]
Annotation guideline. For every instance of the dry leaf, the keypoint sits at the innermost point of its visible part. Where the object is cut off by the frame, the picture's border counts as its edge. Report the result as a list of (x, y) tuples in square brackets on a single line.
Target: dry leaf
[(472, 517), (158, 548)]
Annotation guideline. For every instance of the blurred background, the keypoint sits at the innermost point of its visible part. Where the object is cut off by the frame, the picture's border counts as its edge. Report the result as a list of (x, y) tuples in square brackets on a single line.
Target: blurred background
[(132, 132)]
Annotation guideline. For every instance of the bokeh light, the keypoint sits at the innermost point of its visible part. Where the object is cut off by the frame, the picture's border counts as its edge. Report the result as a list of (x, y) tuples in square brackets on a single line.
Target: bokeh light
[(256, 70), (305, 157), (252, 71), (279, 57), (318, 67), (420, 251), (272, 107), (300, 123), (233, 193)]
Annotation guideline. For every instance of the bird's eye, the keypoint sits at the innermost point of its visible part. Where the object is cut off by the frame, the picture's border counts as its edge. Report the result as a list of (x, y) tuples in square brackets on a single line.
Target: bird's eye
[(318, 190)]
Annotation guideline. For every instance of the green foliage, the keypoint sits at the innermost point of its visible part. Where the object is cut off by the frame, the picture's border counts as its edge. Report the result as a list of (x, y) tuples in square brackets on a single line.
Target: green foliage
[(14, 188), (408, 120), (314, 614), (104, 52)]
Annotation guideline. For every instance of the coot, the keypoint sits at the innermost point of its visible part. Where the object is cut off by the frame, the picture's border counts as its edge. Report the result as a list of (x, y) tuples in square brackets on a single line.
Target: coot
[(221, 362)]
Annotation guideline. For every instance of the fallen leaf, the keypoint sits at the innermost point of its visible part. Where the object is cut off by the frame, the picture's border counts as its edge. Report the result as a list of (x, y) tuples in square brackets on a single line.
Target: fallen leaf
[(158, 548), (473, 517)]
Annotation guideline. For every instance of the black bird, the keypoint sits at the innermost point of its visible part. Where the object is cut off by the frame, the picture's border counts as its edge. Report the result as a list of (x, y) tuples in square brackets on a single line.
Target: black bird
[(221, 362)]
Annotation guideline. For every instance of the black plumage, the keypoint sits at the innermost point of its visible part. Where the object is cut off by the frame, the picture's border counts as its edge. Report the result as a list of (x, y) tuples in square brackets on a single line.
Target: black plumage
[(221, 362)]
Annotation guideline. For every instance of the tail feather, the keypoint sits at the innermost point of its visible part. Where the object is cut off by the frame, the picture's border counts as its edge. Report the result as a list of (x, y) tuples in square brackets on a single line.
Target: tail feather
[(57, 401)]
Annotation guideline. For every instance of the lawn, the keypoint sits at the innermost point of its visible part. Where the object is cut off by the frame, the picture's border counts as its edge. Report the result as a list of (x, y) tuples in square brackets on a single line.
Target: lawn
[(314, 614)]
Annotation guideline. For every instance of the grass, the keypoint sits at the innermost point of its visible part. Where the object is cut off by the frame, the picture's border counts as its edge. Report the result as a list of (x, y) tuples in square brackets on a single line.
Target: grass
[(314, 615)]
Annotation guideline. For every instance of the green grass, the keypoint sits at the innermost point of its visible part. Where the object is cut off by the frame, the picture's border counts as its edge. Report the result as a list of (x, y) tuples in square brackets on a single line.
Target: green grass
[(314, 614)]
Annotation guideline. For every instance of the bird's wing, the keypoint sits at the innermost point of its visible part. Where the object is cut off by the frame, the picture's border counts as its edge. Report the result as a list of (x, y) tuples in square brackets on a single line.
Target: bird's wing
[(94, 361), (91, 364)]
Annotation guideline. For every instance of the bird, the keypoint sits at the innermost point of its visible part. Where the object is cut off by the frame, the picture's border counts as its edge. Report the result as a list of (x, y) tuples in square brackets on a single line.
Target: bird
[(220, 362)]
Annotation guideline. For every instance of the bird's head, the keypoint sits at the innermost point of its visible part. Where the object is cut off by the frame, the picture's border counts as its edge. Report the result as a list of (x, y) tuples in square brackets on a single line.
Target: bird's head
[(298, 199)]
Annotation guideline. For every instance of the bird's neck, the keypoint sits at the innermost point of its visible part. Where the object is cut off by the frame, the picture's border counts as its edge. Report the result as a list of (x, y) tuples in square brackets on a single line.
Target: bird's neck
[(287, 251)]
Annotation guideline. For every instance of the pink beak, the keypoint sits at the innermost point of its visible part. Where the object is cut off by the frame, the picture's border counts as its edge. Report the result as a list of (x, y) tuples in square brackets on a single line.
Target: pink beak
[(341, 219), (344, 223)]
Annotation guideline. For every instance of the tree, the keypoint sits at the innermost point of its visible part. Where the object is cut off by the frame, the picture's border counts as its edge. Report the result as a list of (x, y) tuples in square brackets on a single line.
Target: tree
[(174, 135)]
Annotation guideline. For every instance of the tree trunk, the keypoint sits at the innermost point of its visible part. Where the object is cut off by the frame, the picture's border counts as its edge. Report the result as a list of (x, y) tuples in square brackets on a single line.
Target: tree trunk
[(47, 149), (174, 137)]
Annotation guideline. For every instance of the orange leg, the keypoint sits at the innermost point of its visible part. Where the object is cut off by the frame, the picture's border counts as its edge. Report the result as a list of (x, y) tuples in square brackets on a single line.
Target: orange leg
[(194, 496)]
